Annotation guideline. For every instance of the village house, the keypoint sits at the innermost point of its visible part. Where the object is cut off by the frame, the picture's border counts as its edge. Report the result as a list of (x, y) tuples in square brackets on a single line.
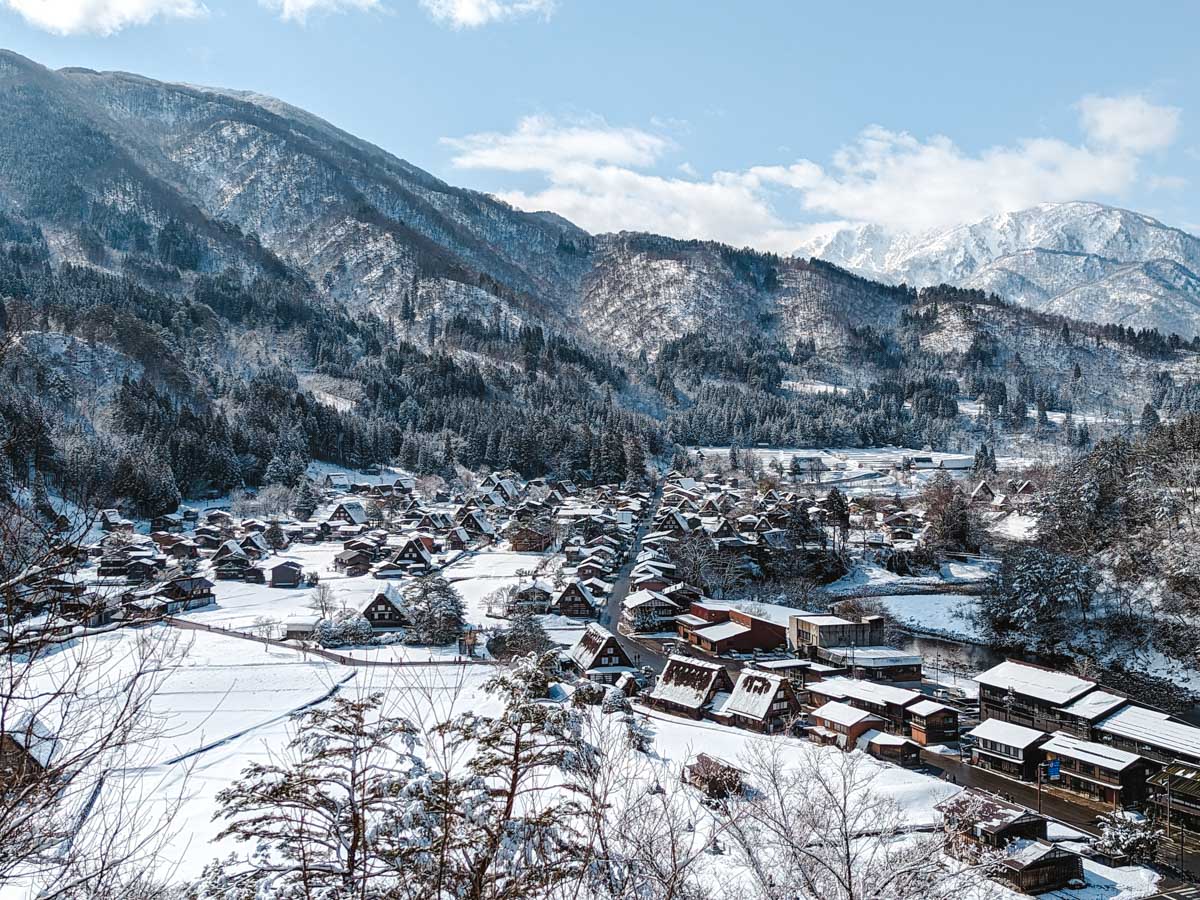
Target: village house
[(27, 749), (576, 601), (688, 687), (982, 821), (893, 748), (336, 481), (760, 702), (1176, 795), (841, 725), (353, 562), (875, 663), (889, 703), (352, 512), (1098, 771), (1005, 747), (287, 574), (1027, 694), (647, 610), (930, 722), (529, 539), (719, 628), (413, 555), (1037, 867), (1152, 734), (385, 611), (598, 656), (715, 777), (1081, 716)]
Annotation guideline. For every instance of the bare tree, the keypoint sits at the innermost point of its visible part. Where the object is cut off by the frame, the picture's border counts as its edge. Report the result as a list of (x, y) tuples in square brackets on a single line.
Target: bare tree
[(321, 600), (815, 826)]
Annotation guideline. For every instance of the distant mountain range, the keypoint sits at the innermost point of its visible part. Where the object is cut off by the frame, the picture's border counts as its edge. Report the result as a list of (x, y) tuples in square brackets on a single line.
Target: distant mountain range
[(1084, 260)]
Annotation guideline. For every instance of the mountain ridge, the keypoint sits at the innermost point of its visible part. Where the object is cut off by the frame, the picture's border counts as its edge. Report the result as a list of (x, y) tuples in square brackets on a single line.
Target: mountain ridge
[(1082, 259)]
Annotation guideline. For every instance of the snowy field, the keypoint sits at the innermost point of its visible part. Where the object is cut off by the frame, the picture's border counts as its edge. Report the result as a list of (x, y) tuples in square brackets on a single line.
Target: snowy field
[(238, 606), (479, 574), (225, 702)]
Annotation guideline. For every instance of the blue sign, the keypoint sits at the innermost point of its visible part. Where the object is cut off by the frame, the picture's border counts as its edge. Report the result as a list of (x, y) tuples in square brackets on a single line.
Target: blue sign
[(1053, 768)]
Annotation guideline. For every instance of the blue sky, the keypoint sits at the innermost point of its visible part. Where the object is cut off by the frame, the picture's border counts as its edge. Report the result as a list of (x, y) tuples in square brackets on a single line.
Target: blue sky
[(749, 122)]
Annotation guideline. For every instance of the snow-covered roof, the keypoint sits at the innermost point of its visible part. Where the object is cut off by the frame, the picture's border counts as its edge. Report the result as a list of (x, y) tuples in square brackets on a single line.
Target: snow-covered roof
[(686, 682), (878, 738), (927, 708), (1157, 729), (870, 691), (752, 694), (1034, 681), (587, 649), (645, 596), (1095, 704), (1100, 755), (842, 714), (873, 657), (1006, 733), (824, 621), (30, 733), (722, 631)]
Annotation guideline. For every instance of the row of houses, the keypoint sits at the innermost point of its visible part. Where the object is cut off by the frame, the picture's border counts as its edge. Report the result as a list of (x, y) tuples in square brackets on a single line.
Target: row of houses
[(1098, 743)]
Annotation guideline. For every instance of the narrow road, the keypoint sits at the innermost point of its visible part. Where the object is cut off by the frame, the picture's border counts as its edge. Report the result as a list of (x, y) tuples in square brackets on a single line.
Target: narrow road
[(611, 617)]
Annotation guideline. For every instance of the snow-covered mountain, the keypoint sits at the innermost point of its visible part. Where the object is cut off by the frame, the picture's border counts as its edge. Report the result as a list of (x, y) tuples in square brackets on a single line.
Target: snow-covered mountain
[(113, 167), (1083, 260)]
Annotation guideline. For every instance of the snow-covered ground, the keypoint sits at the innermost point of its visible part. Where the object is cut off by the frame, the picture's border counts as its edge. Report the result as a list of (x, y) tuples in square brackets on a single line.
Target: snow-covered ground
[(944, 615), (870, 578), (479, 574)]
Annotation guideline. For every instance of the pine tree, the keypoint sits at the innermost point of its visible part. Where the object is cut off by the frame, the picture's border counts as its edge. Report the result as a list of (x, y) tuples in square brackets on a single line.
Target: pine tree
[(1150, 419), (526, 635), (435, 609)]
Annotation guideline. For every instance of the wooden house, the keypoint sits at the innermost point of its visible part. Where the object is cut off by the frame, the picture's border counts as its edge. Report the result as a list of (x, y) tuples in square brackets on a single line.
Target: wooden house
[(27, 750), (349, 560), (688, 687), (287, 574), (1027, 694), (577, 601), (931, 722), (1099, 772), (385, 612), (1008, 748), (1038, 867), (352, 512), (760, 702), (645, 610), (841, 725), (978, 820), (715, 777), (413, 555), (598, 655)]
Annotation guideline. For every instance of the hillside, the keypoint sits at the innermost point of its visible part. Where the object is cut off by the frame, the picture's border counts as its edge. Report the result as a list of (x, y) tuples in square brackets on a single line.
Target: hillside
[(224, 287)]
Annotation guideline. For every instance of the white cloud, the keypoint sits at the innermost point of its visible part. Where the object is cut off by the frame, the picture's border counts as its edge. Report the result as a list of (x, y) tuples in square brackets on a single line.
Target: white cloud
[(300, 10), (896, 180), (1130, 122), (544, 144), (474, 13), (603, 177), (104, 17)]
